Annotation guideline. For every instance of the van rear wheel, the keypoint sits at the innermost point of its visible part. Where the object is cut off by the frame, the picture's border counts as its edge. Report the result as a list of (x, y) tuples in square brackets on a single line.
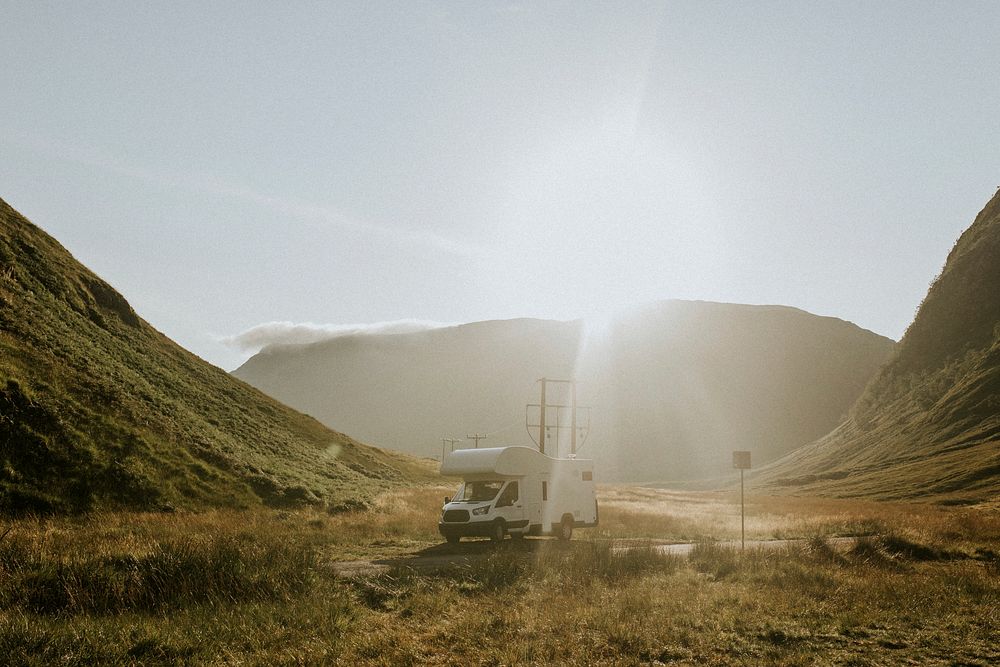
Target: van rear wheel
[(566, 528), (498, 531)]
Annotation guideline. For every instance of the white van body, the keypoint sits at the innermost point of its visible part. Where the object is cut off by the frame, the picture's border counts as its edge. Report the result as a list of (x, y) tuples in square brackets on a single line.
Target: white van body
[(517, 491)]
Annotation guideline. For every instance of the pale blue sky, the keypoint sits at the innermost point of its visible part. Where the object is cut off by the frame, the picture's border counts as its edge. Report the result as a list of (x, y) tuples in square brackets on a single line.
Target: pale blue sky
[(224, 165)]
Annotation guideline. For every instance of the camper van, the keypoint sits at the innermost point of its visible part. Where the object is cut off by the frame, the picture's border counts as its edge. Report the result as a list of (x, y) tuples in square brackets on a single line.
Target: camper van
[(517, 491)]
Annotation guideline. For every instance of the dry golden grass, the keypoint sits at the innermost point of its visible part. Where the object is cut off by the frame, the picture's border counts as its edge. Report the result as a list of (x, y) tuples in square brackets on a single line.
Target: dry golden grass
[(693, 516), (257, 587)]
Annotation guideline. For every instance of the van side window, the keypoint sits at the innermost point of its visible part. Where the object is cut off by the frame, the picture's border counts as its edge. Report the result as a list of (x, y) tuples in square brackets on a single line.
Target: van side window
[(509, 495), (545, 490), (588, 475)]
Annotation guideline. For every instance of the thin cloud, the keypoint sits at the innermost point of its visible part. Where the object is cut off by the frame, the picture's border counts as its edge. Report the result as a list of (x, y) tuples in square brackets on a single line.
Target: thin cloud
[(260, 336), (288, 208), (325, 215)]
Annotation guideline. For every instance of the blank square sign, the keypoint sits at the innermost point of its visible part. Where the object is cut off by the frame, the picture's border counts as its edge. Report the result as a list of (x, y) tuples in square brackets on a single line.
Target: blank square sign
[(741, 460)]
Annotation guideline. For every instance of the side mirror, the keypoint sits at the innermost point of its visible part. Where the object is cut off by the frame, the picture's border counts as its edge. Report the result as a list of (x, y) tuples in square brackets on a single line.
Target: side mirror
[(447, 500)]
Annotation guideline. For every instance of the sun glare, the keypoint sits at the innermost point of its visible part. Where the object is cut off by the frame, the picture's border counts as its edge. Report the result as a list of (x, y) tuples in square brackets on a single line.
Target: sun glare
[(598, 326), (596, 333)]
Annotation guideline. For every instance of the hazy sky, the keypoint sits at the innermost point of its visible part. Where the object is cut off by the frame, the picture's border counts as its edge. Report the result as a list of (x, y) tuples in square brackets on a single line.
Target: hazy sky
[(225, 166)]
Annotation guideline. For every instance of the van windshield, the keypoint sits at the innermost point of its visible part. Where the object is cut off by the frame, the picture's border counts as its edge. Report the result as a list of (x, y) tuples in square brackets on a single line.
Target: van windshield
[(477, 492)]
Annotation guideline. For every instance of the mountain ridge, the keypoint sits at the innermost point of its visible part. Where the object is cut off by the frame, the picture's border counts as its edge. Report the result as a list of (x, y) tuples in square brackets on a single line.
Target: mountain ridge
[(579, 321), (370, 383)]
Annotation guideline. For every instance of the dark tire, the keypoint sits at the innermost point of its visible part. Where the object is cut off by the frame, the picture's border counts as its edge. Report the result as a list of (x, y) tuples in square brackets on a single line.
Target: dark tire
[(498, 531), (566, 529), (453, 539)]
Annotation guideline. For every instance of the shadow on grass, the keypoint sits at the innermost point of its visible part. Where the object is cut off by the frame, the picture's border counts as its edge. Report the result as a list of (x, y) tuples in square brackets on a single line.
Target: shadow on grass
[(480, 567), (446, 555)]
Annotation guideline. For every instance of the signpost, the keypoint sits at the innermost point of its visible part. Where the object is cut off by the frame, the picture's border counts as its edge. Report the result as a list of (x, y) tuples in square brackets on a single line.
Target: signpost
[(741, 460)]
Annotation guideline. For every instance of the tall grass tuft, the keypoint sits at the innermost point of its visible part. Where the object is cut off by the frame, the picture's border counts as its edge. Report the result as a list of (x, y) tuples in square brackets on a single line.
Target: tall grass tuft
[(903, 547), (718, 562), (869, 551), (197, 569), (589, 561), (820, 549)]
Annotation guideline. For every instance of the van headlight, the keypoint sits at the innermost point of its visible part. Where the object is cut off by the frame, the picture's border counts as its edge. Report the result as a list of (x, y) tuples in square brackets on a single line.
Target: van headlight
[(479, 511)]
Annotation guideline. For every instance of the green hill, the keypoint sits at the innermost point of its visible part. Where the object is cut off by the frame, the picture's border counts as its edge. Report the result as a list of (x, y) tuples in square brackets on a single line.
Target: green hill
[(100, 410), (928, 424)]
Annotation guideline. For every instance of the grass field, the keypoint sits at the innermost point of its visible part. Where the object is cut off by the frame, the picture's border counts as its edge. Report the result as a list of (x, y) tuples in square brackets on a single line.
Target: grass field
[(258, 587)]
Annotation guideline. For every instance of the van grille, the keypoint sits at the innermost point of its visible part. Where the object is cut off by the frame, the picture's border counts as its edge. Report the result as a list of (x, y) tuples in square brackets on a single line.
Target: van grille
[(456, 515)]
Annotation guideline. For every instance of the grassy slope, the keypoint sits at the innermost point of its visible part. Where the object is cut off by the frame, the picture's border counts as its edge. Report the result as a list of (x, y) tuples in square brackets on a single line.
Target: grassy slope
[(98, 409), (929, 423)]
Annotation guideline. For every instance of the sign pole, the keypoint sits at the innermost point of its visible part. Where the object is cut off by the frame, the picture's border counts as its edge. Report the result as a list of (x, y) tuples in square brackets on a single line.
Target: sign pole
[(741, 460), (743, 527)]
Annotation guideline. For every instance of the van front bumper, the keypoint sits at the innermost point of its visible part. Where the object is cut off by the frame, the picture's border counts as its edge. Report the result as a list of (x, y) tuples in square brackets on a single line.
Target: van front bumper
[(483, 528), (465, 528)]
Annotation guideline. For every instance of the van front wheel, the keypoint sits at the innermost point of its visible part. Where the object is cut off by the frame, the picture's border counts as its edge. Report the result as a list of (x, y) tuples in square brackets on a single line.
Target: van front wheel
[(498, 532), (566, 529)]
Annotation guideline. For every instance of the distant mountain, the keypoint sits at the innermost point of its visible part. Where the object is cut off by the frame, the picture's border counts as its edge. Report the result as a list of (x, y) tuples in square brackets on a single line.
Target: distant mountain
[(99, 410), (675, 386), (928, 425)]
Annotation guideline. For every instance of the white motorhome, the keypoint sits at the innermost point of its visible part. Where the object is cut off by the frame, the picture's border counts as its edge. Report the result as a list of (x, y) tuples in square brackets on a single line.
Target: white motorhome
[(517, 491)]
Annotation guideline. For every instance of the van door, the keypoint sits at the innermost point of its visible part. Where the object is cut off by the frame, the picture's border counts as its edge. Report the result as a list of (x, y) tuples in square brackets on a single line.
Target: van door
[(547, 514), (531, 498), (510, 507)]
